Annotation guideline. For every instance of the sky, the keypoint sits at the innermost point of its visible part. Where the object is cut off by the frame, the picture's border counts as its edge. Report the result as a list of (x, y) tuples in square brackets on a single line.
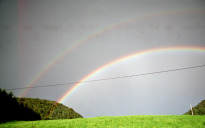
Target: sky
[(49, 42)]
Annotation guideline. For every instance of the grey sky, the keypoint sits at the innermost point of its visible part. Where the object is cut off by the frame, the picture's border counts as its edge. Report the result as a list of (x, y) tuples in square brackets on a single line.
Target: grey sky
[(34, 32)]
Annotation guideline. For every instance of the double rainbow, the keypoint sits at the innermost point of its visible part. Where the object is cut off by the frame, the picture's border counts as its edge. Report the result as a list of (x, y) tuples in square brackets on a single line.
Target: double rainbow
[(95, 34)]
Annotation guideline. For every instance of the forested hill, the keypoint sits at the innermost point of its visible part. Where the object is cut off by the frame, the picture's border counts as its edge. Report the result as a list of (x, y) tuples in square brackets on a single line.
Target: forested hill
[(10, 109), (13, 108), (198, 110), (49, 109)]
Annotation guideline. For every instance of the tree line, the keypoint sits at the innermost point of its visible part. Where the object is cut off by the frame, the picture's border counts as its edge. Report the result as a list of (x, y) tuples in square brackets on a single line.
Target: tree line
[(10, 109), (13, 108)]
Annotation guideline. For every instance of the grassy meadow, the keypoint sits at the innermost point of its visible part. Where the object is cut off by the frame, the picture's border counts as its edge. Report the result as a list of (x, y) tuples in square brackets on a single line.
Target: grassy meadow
[(146, 121)]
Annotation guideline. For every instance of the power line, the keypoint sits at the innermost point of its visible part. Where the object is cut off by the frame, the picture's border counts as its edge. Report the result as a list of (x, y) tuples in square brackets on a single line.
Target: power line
[(113, 78)]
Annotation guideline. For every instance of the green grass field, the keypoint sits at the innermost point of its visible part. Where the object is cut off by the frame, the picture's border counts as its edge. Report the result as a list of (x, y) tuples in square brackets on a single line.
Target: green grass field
[(172, 121)]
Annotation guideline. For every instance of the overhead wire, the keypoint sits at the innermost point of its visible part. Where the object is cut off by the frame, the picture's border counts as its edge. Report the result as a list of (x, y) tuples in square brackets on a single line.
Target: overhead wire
[(112, 78)]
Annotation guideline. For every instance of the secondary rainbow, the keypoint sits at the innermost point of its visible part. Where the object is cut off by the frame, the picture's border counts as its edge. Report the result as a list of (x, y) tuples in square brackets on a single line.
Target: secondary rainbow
[(124, 58)]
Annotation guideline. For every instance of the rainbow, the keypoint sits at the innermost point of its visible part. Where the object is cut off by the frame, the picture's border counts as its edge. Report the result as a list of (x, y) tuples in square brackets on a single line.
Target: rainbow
[(95, 34), (124, 58)]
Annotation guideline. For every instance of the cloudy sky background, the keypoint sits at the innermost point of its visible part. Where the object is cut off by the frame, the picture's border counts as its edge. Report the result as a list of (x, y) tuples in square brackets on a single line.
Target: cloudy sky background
[(33, 33)]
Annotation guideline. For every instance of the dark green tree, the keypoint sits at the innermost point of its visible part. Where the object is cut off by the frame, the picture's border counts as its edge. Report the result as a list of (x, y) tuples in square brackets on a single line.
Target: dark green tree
[(10, 109)]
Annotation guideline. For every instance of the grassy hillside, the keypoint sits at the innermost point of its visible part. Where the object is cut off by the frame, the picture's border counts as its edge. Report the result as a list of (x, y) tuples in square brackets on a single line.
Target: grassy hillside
[(198, 110), (49, 109), (184, 121)]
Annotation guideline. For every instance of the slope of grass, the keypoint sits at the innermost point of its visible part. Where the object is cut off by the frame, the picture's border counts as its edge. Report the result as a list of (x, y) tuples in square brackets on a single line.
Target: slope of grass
[(171, 121)]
